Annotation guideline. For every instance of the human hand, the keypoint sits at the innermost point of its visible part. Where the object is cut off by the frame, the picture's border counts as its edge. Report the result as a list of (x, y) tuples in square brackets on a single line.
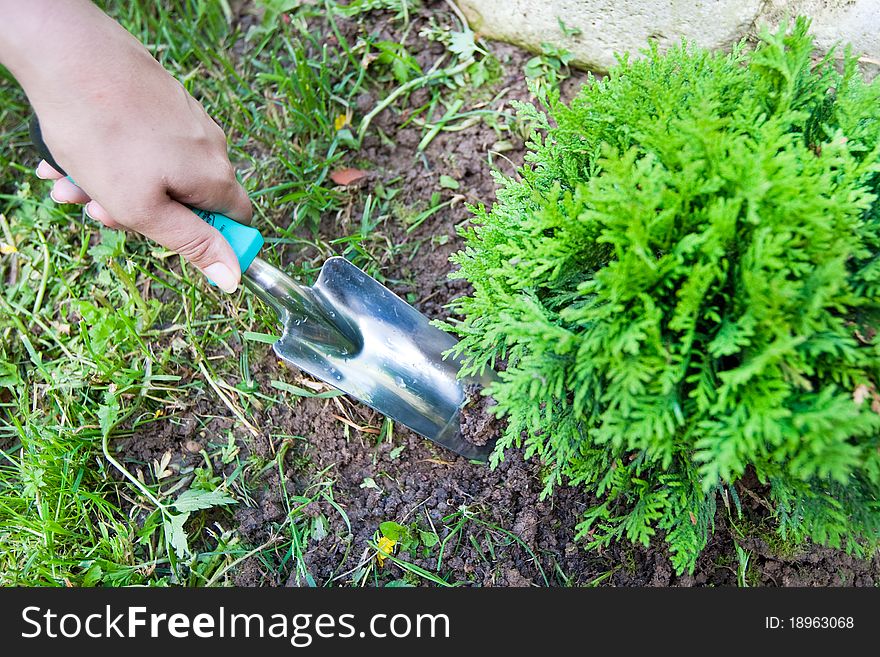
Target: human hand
[(139, 147)]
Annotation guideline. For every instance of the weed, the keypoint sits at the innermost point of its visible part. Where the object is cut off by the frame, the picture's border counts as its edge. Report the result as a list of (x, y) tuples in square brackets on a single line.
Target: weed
[(549, 68), (742, 569)]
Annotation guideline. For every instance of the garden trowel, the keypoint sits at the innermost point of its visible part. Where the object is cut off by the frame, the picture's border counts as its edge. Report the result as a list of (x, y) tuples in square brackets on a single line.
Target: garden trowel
[(350, 331)]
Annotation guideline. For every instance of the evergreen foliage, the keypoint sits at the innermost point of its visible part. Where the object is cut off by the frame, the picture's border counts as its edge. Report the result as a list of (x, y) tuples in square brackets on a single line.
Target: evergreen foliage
[(684, 285)]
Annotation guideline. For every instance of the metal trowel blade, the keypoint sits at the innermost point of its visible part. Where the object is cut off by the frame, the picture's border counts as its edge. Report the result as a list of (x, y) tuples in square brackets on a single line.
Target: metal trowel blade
[(350, 331)]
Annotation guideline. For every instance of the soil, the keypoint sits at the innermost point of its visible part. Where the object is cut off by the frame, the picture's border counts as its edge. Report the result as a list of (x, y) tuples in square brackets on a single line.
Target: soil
[(478, 423), (498, 528)]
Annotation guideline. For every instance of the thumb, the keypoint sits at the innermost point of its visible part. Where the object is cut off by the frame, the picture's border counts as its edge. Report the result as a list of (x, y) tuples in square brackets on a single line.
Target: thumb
[(176, 227)]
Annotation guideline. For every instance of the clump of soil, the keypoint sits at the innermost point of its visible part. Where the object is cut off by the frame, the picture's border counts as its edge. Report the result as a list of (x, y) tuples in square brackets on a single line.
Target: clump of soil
[(478, 425)]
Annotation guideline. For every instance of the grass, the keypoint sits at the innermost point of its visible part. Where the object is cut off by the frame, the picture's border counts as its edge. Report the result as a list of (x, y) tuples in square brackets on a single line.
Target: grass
[(106, 337)]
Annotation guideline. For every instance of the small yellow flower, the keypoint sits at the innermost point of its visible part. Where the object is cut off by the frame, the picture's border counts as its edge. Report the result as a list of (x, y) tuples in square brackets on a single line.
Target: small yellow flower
[(386, 547), (7, 249), (340, 122)]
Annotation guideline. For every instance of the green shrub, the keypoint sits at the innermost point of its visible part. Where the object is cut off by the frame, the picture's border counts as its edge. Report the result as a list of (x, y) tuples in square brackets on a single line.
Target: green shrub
[(683, 286)]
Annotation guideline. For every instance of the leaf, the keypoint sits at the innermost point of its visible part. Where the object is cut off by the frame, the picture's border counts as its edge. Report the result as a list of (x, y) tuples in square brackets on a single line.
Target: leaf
[(463, 43), (401, 69), (319, 528), (9, 377), (281, 6), (568, 31), (93, 575), (369, 482), (105, 329), (393, 530), (301, 392), (265, 338), (348, 176), (346, 138), (176, 534), (194, 500), (108, 413), (448, 182), (534, 67), (393, 54), (160, 466), (429, 539), (111, 245)]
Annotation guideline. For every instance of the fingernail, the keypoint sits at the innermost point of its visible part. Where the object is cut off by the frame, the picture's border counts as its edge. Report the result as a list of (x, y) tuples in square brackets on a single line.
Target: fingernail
[(222, 276), (52, 196), (86, 210), (42, 170)]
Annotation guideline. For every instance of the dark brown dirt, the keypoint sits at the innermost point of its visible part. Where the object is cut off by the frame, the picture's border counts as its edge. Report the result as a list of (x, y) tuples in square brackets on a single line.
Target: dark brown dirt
[(478, 423), (514, 538), (495, 527)]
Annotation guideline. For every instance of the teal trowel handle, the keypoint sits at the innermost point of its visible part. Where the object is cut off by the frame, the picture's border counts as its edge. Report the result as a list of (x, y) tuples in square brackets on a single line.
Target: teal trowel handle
[(245, 241)]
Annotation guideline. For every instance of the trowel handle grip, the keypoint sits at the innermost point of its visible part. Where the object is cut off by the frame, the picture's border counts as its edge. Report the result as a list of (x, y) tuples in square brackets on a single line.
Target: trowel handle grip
[(245, 241)]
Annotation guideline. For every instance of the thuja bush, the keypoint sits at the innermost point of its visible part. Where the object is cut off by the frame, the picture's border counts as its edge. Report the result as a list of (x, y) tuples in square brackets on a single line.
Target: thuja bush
[(681, 288)]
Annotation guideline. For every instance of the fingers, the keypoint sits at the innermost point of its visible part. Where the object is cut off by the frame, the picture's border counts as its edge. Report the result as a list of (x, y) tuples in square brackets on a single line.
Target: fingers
[(97, 212), (64, 191), (47, 172), (176, 227)]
